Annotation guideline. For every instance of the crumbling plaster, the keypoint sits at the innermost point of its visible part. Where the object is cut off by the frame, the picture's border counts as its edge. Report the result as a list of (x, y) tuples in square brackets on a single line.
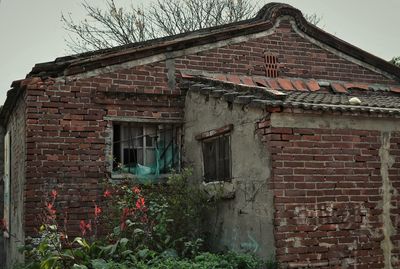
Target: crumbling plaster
[(16, 127), (243, 222)]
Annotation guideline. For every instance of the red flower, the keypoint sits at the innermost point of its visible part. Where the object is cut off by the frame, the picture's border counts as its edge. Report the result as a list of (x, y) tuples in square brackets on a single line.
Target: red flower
[(51, 209), (140, 203), (85, 227), (97, 210), (136, 190), (107, 193), (54, 194)]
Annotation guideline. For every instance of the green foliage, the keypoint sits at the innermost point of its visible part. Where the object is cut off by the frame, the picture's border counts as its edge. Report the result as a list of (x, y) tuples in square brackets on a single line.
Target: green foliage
[(153, 226), (170, 218)]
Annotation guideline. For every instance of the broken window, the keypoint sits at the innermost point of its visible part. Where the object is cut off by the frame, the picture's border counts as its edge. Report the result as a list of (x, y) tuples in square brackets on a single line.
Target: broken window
[(146, 149), (217, 160)]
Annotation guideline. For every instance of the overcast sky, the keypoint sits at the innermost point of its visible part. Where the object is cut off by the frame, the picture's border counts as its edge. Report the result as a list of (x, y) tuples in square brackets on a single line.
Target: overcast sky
[(31, 31)]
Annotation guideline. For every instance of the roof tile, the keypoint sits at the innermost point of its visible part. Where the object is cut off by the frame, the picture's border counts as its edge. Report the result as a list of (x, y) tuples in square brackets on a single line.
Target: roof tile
[(273, 84), (221, 77), (233, 78), (356, 85), (260, 81), (286, 84), (338, 88), (313, 85), (300, 85), (395, 89), (248, 80)]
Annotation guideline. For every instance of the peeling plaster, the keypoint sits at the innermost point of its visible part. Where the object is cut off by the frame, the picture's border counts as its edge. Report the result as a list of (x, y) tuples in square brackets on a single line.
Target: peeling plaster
[(387, 162)]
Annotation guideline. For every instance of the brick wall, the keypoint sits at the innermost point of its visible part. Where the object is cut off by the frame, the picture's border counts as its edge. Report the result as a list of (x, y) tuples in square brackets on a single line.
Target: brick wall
[(297, 57), (329, 191), (67, 135)]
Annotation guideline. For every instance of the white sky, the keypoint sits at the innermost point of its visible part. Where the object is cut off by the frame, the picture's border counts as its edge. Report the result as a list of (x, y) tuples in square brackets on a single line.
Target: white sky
[(31, 31)]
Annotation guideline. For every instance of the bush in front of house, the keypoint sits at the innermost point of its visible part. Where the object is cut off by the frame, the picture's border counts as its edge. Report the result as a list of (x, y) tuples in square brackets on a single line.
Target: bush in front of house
[(149, 226)]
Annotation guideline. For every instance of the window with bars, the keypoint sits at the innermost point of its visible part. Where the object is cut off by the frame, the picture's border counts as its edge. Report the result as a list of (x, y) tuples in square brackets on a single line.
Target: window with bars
[(146, 149), (217, 158)]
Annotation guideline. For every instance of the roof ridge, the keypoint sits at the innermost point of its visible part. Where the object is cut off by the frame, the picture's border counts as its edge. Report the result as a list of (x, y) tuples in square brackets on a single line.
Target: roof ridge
[(265, 19)]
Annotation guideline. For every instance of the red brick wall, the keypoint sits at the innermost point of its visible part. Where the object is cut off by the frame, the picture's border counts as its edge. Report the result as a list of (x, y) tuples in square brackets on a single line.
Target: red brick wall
[(66, 130), (297, 57), (328, 196), (66, 134)]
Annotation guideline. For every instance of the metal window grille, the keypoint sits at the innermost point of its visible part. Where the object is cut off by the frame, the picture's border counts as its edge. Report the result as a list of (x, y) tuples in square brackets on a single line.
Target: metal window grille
[(217, 159), (146, 149)]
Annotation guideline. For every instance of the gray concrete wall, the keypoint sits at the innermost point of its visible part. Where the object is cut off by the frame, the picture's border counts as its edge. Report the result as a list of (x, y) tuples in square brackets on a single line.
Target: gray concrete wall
[(16, 127), (243, 223)]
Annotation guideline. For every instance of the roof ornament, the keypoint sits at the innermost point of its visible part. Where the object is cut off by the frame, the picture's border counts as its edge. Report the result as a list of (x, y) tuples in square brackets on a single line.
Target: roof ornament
[(355, 101)]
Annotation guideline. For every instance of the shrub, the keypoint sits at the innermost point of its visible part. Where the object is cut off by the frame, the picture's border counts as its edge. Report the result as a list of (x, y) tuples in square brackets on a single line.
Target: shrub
[(150, 226)]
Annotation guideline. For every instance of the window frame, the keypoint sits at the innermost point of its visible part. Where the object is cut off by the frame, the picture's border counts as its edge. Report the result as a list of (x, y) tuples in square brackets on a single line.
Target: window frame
[(115, 120), (226, 159), (212, 136)]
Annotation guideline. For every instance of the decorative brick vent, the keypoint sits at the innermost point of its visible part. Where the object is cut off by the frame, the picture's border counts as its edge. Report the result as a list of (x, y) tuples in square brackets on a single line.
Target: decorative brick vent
[(271, 65)]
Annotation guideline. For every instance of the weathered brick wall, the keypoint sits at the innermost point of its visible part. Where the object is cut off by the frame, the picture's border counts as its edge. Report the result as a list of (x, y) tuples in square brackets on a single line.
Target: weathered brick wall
[(67, 134), (297, 57), (67, 129), (330, 193)]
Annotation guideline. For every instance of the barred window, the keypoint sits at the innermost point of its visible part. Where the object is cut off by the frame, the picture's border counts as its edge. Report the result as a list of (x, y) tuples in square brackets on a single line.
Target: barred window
[(146, 149)]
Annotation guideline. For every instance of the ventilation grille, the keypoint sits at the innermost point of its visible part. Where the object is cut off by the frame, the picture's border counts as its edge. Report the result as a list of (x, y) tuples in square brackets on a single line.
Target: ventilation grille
[(271, 66)]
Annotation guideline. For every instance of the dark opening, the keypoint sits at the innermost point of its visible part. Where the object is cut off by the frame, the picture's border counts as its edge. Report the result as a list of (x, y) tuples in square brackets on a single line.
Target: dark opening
[(116, 145), (216, 156)]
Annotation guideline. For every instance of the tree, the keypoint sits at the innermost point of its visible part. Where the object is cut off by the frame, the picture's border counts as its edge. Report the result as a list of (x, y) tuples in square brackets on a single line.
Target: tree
[(113, 26)]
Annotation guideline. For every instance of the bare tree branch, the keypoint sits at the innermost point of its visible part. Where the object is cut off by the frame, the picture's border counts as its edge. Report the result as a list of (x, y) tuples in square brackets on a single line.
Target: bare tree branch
[(113, 26)]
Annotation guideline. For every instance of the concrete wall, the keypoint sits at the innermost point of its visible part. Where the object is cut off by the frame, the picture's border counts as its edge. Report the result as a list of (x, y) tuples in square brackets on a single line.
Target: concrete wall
[(245, 222), (16, 127)]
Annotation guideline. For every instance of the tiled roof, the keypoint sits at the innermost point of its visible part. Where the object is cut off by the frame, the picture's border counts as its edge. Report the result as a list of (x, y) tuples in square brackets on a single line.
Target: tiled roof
[(297, 84), (303, 94)]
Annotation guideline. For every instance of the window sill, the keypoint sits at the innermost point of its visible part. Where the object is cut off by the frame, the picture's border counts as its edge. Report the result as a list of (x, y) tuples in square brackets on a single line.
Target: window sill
[(219, 189)]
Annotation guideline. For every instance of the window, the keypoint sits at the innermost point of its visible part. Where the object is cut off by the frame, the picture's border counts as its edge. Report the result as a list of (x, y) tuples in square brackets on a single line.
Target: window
[(145, 149), (216, 153), (216, 156)]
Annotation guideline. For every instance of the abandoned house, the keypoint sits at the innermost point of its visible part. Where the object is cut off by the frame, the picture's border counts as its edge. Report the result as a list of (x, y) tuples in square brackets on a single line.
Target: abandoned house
[(299, 128)]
